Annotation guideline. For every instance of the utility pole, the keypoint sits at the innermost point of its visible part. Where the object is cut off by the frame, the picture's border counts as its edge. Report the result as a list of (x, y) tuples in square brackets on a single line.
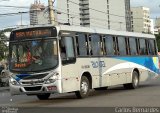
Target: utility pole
[(51, 12)]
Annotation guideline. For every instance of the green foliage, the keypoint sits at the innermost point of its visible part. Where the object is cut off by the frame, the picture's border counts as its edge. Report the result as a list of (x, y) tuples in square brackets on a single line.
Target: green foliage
[(158, 41), (3, 45)]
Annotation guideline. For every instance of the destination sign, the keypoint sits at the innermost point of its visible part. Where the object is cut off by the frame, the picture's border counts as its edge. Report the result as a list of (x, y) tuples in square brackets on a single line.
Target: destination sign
[(33, 33)]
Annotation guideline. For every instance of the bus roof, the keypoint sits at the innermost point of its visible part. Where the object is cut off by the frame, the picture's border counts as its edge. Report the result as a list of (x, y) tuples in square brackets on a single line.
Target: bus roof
[(103, 31), (93, 30)]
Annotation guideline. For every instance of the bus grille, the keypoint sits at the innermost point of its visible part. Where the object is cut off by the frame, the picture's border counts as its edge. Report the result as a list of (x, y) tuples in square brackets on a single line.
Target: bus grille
[(39, 82), (36, 88), (39, 76)]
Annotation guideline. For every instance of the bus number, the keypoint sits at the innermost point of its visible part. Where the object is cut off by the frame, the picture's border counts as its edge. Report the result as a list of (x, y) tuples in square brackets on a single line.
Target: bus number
[(96, 64)]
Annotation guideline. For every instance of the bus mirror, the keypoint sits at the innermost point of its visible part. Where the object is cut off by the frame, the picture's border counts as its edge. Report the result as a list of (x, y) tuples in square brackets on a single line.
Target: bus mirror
[(68, 60)]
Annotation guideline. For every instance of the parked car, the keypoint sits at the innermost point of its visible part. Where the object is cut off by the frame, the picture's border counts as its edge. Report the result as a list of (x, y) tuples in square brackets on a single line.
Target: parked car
[(1, 68), (4, 77)]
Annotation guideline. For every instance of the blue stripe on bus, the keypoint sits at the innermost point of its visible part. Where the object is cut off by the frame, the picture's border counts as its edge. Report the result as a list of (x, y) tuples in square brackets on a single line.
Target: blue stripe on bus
[(148, 62), (21, 76)]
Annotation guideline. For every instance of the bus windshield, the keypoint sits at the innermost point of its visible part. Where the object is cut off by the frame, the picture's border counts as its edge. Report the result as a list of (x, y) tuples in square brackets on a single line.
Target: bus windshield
[(33, 56)]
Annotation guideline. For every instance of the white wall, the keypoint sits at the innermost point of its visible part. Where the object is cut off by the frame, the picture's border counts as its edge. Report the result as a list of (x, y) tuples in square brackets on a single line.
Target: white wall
[(97, 19), (117, 7), (73, 11)]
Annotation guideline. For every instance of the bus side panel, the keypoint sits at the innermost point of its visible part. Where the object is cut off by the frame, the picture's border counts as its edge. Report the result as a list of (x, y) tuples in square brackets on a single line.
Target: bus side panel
[(147, 75), (70, 78), (115, 72)]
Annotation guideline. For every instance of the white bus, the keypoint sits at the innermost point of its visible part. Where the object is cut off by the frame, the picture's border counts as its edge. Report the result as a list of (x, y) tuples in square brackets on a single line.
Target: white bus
[(60, 59)]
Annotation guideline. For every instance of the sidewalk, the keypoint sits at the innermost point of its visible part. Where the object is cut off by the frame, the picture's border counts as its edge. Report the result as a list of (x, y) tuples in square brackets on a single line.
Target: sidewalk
[(4, 89)]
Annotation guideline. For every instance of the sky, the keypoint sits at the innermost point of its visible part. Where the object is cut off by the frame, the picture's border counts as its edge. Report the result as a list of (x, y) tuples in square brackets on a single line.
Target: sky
[(10, 21)]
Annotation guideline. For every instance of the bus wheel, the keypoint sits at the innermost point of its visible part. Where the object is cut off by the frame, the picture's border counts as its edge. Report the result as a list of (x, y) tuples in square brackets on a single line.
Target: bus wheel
[(44, 96), (135, 81), (84, 88), (101, 88)]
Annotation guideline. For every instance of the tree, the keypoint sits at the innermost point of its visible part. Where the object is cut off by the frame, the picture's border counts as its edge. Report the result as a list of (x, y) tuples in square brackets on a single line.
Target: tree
[(3, 45)]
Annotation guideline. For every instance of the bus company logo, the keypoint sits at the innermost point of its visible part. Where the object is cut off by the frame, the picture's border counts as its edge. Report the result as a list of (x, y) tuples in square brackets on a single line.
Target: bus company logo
[(9, 110), (98, 64), (32, 82)]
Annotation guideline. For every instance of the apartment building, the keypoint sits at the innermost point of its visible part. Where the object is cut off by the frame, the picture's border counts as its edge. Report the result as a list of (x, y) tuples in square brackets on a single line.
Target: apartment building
[(108, 14), (157, 24), (141, 19)]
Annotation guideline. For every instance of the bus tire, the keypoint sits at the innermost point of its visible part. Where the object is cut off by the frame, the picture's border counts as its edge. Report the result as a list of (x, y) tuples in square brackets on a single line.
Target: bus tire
[(101, 88), (135, 81), (44, 96), (84, 88)]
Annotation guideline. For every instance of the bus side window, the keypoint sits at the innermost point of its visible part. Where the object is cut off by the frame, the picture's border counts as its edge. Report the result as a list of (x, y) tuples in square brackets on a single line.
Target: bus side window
[(151, 47), (116, 49), (67, 50), (109, 45), (143, 49), (82, 44), (133, 46), (95, 45), (122, 45)]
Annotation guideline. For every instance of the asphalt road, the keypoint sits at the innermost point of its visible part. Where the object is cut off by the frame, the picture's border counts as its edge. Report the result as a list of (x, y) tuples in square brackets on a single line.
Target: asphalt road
[(147, 95)]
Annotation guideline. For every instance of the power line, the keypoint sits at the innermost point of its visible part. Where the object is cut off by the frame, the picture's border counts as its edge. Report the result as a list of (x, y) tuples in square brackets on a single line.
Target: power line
[(26, 7), (94, 18), (13, 14), (102, 11), (15, 6)]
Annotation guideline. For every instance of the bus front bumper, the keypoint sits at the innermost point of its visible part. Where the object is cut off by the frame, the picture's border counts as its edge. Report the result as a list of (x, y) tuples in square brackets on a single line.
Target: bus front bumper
[(33, 89)]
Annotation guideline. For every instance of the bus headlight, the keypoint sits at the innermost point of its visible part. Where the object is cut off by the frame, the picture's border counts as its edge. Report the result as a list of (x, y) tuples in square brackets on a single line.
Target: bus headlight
[(13, 81), (52, 79)]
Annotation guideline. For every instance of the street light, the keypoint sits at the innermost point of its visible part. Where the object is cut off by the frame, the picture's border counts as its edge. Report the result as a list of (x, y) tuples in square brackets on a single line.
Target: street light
[(21, 16)]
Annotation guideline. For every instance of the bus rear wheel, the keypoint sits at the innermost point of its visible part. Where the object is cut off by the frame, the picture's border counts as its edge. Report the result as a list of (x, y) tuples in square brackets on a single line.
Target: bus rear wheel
[(84, 88), (135, 81), (44, 96)]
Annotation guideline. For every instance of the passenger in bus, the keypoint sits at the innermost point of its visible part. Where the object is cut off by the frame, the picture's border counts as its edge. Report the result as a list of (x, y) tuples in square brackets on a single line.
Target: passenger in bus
[(37, 52), (27, 55)]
